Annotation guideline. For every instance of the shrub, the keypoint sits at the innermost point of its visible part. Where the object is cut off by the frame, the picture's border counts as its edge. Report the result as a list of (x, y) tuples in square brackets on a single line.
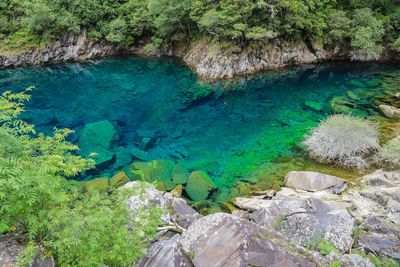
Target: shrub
[(343, 140), (389, 155)]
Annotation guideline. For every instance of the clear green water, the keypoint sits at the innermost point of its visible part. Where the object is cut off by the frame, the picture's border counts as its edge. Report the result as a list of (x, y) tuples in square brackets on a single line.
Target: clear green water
[(248, 128)]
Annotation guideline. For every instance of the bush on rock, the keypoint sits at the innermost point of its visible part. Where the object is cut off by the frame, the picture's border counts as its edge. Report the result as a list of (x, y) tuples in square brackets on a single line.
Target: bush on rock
[(388, 156), (343, 140)]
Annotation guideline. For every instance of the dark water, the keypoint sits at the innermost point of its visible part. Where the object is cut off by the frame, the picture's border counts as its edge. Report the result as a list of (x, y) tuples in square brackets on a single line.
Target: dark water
[(233, 130)]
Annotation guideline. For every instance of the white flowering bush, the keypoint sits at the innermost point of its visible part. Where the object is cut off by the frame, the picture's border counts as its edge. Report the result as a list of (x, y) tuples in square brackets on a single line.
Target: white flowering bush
[(388, 156), (343, 140)]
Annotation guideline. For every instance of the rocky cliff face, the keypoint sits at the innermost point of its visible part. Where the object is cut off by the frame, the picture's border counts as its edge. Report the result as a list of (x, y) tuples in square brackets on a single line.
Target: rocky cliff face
[(215, 63), (206, 59), (70, 48)]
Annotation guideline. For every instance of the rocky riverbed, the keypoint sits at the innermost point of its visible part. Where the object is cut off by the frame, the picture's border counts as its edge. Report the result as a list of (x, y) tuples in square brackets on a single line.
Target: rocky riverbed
[(315, 220)]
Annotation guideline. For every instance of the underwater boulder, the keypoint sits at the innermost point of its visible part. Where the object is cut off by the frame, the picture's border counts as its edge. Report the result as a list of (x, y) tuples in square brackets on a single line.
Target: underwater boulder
[(138, 153), (317, 106), (354, 83), (353, 96), (138, 171), (199, 185), (98, 184), (101, 156), (165, 186), (119, 179), (161, 170), (97, 134), (122, 159), (179, 174)]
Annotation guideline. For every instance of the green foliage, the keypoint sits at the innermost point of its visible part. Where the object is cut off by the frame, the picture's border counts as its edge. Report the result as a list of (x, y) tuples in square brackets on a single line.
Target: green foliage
[(367, 31), (117, 30), (396, 44), (339, 27), (379, 261), (36, 197), (98, 229), (28, 255), (323, 245), (235, 21), (335, 264), (389, 155)]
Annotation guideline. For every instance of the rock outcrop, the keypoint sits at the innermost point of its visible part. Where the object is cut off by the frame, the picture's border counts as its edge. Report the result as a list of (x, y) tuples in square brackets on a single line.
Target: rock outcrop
[(221, 239), (212, 62), (69, 48), (315, 181), (208, 60)]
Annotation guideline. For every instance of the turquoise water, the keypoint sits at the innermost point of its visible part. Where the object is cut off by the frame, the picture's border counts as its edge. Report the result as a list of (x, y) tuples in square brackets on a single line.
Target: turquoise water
[(234, 130)]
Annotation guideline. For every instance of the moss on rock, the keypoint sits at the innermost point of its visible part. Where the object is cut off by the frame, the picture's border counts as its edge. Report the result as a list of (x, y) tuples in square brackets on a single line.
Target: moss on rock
[(98, 184), (179, 174), (161, 170), (119, 179)]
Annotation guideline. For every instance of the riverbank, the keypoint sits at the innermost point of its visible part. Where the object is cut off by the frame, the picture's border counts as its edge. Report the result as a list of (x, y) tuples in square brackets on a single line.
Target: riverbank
[(211, 61)]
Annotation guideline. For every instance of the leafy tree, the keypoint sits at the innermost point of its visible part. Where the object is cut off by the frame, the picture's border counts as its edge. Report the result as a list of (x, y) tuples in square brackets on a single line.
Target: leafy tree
[(367, 31), (117, 30), (338, 26)]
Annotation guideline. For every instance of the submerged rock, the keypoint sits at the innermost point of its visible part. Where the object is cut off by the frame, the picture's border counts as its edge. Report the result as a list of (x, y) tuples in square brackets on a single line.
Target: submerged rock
[(224, 240), (138, 171), (390, 111), (199, 185), (161, 170), (98, 184), (122, 159), (94, 135), (315, 181), (179, 174), (101, 156), (119, 179)]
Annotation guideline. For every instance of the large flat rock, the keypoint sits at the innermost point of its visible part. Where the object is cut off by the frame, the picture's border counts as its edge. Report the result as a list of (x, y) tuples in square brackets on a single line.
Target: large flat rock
[(223, 240), (315, 181)]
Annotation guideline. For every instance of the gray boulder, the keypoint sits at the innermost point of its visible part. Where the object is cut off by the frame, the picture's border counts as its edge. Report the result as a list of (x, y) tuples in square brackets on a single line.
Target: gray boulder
[(11, 245), (224, 240), (271, 215), (176, 209), (315, 181), (335, 226), (180, 211), (166, 253), (380, 245)]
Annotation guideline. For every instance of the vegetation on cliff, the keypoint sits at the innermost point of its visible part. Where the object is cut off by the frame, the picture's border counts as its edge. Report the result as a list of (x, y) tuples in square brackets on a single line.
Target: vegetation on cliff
[(363, 24)]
